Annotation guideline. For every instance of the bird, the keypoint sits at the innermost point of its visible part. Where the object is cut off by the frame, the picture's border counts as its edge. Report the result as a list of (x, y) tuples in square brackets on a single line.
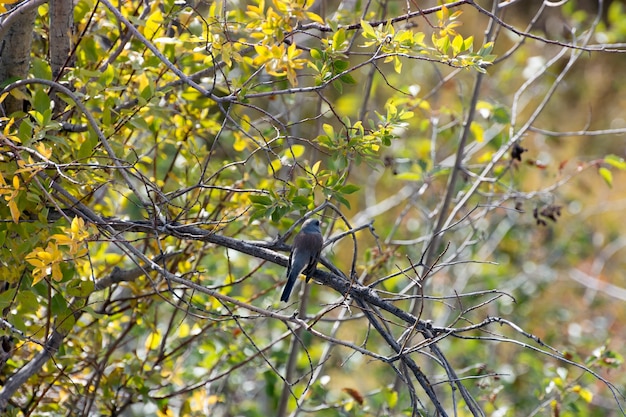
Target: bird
[(305, 253)]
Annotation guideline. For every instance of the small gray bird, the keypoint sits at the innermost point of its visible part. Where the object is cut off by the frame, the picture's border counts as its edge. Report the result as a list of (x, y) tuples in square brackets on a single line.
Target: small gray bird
[(305, 253)]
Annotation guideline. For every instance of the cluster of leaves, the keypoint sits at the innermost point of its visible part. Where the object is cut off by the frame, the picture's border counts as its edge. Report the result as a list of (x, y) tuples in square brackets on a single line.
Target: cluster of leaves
[(447, 45)]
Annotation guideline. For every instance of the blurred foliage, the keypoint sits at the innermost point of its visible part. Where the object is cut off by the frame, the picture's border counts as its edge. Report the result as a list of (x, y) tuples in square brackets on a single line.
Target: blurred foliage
[(279, 108)]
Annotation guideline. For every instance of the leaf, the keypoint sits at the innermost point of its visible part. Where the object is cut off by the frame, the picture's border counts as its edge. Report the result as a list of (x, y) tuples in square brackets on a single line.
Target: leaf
[(262, 200), (240, 143), (108, 75), (615, 161), (315, 54), (153, 340), (397, 65), (274, 166), (338, 39), (301, 200), (296, 151), (606, 175), (350, 188), (316, 167), (347, 79), (457, 44), (391, 397), (338, 86), (79, 288), (342, 200), (329, 130), (341, 66), (41, 69), (584, 393), (477, 131), (41, 101), (409, 176), (58, 305), (368, 30), (314, 17), (153, 23)]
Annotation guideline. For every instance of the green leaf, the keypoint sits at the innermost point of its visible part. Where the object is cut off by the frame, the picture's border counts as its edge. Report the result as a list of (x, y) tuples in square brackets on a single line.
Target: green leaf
[(79, 288), (27, 300), (259, 214), (41, 69), (338, 86), (107, 76), (340, 66), (347, 79), (6, 299), (262, 200), (87, 147), (58, 305), (342, 200), (301, 200), (350, 188), (500, 115), (41, 101)]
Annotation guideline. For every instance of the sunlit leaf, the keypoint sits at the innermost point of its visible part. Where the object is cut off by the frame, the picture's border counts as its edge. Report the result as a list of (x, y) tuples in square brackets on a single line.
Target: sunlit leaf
[(606, 175), (615, 161)]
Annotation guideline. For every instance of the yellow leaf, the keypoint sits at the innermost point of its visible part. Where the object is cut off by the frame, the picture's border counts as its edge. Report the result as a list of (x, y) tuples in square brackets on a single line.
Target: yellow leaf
[(409, 176), (316, 167), (15, 212), (368, 30), (56, 273), (296, 151), (606, 175), (45, 151), (38, 275), (328, 129), (227, 52), (442, 14), (183, 330), (584, 393), (32, 259), (274, 166), (240, 143), (153, 340), (314, 17), (397, 65), (153, 24), (615, 161), (478, 131), (78, 225), (485, 157), (61, 239)]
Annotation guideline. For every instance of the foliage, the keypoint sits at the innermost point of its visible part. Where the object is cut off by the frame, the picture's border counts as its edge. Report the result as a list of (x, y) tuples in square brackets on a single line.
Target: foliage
[(151, 187)]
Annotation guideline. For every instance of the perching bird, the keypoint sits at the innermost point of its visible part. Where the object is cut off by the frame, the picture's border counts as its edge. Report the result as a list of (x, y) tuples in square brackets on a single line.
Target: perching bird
[(305, 253)]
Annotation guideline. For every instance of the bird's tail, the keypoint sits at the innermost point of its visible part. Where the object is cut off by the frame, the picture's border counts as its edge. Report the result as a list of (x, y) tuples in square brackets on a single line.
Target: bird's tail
[(288, 288)]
